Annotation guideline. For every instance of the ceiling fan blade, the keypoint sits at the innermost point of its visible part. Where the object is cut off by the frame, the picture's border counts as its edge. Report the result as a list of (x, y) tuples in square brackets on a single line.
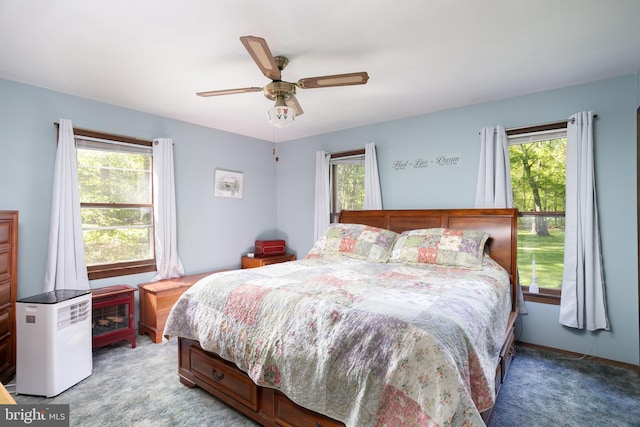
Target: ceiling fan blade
[(259, 51), (229, 91), (292, 102), (334, 80)]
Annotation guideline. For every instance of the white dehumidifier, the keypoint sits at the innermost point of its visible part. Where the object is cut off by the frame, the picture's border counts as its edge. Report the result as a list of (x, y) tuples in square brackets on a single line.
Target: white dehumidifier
[(54, 342)]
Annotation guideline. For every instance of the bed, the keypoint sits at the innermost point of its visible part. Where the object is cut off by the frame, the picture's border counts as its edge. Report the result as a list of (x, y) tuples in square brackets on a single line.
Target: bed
[(396, 317)]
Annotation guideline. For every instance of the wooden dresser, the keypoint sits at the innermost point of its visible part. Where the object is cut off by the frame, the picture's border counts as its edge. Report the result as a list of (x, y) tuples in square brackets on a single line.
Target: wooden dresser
[(8, 291), (247, 262)]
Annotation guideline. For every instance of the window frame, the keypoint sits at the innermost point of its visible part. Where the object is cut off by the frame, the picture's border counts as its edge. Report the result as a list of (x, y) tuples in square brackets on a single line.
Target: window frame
[(545, 295), (103, 271), (333, 216)]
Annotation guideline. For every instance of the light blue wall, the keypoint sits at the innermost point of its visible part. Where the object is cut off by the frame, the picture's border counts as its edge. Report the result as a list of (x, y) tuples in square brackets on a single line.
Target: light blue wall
[(213, 232), (455, 133), (278, 200)]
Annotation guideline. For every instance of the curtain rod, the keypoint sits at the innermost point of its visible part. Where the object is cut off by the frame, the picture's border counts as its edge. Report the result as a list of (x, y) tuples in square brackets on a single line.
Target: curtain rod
[(349, 153), (539, 127), (543, 126), (109, 136)]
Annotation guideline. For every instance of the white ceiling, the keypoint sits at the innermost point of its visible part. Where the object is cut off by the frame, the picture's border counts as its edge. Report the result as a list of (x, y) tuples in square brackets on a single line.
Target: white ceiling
[(421, 55)]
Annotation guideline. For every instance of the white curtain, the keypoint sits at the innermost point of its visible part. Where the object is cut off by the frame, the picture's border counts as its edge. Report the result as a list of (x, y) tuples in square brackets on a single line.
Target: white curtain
[(494, 174), (66, 267), (164, 194), (322, 195), (583, 295), (494, 181), (372, 195)]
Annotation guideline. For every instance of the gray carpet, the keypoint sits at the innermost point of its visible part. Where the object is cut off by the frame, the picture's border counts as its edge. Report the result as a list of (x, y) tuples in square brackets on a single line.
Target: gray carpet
[(545, 389), (140, 387)]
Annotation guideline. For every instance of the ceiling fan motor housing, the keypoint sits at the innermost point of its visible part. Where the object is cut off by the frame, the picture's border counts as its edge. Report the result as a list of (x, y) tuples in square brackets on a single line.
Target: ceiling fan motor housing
[(273, 89)]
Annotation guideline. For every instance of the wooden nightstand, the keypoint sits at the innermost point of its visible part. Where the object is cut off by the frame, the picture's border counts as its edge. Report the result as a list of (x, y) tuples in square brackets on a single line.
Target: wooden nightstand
[(157, 299), (265, 260)]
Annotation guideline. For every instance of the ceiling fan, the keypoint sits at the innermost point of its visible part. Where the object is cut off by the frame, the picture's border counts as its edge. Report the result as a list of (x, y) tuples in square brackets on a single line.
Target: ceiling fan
[(280, 91)]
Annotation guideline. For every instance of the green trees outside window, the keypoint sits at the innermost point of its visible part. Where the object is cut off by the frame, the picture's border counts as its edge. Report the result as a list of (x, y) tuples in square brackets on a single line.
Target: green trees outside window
[(347, 182), (538, 181), (116, 203), (349, 187)]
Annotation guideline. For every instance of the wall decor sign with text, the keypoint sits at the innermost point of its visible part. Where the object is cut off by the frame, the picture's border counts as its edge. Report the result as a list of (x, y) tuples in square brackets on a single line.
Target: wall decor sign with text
[(419, 163), (228, 184)]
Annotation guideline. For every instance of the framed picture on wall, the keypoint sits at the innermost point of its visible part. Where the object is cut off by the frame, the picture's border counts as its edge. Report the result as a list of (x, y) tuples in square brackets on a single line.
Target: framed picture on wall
[(228, 184)]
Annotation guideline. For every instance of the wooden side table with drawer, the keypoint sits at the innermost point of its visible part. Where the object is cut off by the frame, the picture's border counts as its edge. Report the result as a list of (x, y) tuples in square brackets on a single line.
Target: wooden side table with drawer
[(157, 299), (254, 262)]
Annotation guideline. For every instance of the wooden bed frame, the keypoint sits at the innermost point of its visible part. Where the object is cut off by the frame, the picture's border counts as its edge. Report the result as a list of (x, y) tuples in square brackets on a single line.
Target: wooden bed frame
[(269, 407)]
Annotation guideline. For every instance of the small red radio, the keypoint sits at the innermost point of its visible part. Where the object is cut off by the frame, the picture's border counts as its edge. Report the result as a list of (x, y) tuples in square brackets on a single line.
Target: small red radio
[(270, 247)]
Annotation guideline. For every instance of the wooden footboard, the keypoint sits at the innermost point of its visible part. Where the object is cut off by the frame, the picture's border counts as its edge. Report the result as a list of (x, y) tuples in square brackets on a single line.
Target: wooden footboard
[(269, 407)]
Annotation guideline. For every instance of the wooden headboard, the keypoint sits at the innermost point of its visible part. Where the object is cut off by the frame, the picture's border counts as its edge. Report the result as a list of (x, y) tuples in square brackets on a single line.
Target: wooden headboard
[(501, 224)]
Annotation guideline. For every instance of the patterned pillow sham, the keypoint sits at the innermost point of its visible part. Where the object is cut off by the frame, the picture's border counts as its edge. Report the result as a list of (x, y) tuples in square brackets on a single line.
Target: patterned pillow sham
[(356, 241), (440, 246)]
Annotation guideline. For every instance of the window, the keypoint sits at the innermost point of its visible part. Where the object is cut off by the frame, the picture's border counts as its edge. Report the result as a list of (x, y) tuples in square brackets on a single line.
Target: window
[(538, 165), (116, 203), (347, 182)]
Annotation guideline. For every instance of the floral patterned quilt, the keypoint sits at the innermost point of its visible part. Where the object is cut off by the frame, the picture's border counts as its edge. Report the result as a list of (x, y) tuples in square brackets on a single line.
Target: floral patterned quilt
[(366, 343)]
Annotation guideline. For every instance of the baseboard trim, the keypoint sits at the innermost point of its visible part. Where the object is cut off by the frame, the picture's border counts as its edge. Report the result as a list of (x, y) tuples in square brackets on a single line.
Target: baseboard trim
[(602, 360)]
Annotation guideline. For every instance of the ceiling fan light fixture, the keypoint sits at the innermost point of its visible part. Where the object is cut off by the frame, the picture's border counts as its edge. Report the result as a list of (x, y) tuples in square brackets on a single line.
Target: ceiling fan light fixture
[(281, 115)]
